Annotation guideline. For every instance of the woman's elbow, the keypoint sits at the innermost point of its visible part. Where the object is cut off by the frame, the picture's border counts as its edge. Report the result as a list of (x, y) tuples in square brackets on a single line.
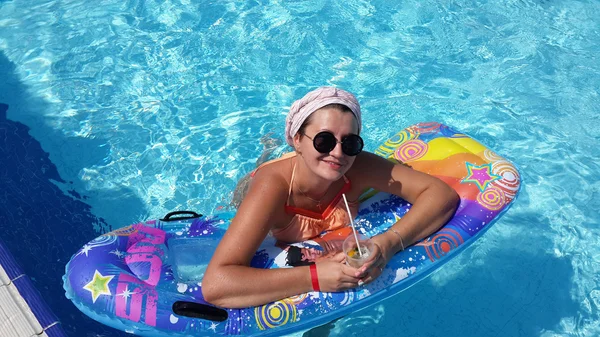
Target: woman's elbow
[(212, 291), (445, 197), (451, 198)]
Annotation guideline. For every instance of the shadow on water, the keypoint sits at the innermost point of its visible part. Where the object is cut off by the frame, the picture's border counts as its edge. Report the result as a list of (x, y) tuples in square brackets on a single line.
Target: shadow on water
[(520, 289), (43, 220)]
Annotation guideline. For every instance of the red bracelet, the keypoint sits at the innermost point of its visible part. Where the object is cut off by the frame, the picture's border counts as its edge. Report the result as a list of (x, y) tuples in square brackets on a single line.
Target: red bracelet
[(314, 277)]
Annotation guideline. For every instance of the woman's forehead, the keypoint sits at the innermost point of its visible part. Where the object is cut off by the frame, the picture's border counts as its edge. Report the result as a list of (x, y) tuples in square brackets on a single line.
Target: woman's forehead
[(334, 120)]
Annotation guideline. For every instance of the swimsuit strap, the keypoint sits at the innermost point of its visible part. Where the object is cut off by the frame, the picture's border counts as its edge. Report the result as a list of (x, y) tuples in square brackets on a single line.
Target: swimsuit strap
[(287, 203), (284, 156), (330, 208)]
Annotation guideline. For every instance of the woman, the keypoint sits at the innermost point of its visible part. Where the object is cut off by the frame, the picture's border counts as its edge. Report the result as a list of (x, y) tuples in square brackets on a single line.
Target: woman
[(298, 196)]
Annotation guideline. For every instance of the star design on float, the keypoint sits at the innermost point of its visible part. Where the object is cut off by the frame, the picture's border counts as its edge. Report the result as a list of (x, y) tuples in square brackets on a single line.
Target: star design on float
[(126, 293), (480, 175), (213, 327), (98, 285), (85, 250), (117, 252)]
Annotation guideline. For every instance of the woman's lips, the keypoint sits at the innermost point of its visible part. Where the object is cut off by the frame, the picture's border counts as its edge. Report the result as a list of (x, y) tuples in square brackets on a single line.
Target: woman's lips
[(334, 165)]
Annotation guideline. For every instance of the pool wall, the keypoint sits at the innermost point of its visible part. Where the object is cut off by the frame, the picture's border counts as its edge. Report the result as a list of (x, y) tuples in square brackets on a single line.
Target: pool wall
[(43, 221)]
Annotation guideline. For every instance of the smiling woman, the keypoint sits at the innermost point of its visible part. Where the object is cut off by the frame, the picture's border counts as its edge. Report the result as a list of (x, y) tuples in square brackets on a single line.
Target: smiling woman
[(299, 196)]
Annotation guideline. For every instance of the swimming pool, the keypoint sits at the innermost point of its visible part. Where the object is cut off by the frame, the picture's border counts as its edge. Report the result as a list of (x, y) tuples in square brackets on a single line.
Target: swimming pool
[(127, 110)]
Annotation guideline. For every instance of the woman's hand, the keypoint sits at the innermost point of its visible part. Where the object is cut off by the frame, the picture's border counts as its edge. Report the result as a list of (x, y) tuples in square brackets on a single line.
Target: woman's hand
[(379, 258), (335, 275)]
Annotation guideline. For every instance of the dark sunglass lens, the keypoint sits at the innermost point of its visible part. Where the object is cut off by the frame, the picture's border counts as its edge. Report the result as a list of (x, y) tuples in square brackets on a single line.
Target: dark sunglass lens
[(324, 142), (352, 145)]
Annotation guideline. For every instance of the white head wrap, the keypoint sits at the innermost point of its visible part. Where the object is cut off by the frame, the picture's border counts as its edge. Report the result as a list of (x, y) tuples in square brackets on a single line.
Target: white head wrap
[(313, 101)]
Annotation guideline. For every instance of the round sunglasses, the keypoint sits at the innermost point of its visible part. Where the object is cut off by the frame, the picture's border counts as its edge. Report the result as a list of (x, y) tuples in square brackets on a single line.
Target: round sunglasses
[(325, 142)]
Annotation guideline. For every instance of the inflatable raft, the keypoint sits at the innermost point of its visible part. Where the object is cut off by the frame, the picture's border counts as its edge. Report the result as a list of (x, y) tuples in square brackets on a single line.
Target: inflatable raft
[(146, 278)]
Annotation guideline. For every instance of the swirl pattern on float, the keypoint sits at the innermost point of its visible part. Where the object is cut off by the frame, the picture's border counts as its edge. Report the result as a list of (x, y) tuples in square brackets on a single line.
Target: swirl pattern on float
[(295, 300), (103, 240), (411, 150), (441, 243), (275, 314), (510, 181), (491, 155), (399, 138), (492, 198)]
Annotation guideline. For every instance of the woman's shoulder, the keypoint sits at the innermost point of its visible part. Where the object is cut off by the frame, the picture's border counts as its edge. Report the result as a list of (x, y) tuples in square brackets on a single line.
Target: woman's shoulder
[(267, 194), (368, 166), (365, 162), (274, 175), (243, 185)]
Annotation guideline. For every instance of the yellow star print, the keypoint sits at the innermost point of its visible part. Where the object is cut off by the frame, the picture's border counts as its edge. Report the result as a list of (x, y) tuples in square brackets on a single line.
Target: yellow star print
[(98, 285)]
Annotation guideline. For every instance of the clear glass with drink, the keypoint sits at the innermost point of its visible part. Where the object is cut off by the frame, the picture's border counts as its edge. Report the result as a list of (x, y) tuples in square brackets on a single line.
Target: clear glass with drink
[(354, 257)]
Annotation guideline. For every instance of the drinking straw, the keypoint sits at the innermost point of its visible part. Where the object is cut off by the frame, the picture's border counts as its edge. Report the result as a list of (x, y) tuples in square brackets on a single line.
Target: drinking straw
[(352, 223)]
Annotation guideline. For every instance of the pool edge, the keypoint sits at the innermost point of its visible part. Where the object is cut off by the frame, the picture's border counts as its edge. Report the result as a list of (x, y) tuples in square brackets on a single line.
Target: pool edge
[(23, 312)]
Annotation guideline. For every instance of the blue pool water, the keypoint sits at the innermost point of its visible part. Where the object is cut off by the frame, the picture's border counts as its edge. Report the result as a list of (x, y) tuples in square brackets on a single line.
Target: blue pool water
[(120, 111)]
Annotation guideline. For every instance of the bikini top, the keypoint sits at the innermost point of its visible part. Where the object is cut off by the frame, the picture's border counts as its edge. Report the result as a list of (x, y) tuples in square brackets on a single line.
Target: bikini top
[(307, 224)]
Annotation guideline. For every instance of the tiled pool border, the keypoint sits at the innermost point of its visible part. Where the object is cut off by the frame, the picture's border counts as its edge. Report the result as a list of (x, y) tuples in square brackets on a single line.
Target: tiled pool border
[(23, 312)]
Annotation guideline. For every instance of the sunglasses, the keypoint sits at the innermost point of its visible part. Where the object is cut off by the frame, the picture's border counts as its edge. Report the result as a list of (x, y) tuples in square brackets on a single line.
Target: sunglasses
[(325, 142)]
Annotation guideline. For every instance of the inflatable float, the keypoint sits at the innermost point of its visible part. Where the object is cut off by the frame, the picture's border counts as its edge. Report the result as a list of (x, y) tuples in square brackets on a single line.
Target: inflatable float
[(146, 278)]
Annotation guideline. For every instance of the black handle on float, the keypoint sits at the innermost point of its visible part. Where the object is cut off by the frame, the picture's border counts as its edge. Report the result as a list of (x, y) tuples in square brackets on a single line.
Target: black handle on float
[(199, 310), (190, 215)]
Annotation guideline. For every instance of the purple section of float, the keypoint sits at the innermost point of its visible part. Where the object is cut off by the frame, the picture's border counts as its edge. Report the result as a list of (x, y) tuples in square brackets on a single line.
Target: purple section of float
[(30, 294), (473, 209)]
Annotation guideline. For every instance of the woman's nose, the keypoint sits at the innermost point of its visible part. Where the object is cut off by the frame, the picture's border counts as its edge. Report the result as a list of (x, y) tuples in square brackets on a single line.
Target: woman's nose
[(337, 150)]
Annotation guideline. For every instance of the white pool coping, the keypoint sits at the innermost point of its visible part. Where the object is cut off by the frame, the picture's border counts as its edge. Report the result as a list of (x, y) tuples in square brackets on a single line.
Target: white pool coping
[(17, 317)]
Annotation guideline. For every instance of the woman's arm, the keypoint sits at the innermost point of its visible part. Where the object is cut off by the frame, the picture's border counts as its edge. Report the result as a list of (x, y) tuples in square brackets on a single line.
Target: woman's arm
[(231, 282), (433, 201)]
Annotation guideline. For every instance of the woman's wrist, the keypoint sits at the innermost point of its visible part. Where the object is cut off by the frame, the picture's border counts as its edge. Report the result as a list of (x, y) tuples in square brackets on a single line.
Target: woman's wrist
[(391, 229), (395, 240), (314, 277)]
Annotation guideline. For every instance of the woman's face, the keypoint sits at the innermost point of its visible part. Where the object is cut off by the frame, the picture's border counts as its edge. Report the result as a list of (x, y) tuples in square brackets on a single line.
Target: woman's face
[(330, 166)]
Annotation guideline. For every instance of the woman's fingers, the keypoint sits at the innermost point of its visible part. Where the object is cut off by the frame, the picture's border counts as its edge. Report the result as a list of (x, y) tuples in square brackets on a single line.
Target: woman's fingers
[(374, 259), (373, 273), (341, 276), (335, 276), (349, 273)]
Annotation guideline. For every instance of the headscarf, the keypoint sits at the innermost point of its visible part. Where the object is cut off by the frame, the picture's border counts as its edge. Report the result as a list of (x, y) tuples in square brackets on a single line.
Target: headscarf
[(313, 101)]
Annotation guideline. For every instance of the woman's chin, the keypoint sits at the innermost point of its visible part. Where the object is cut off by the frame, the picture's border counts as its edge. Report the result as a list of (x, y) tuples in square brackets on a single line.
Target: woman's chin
[(331, 172)]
